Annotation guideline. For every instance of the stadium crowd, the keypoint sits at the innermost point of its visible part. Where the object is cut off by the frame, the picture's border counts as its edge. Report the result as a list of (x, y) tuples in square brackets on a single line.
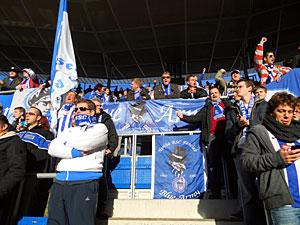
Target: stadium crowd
[(258, 140)]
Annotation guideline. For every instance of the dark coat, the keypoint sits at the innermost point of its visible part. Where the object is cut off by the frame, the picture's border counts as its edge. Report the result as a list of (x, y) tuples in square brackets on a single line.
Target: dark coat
[(233, 131), (159, 92), (203, 117), (6, 86), (259, 156), (200, 93), (144, 95), (113, 138), (12, 162), (38, 159)]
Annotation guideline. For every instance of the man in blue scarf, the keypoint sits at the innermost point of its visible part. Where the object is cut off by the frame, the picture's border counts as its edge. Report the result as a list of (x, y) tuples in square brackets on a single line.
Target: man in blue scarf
[(167, 89)]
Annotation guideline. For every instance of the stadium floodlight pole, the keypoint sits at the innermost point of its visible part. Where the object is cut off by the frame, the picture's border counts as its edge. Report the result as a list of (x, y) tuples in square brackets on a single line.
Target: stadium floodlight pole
[(63, 69)]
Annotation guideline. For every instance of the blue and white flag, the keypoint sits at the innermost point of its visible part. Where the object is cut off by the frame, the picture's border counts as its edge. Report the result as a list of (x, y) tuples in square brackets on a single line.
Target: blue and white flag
[(63, 70), (179, 167)]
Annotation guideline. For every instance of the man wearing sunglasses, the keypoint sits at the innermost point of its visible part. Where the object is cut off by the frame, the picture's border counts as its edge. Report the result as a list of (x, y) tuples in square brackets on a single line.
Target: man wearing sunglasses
[(81, 149), (167, 89), (37, 140), (268, 71)]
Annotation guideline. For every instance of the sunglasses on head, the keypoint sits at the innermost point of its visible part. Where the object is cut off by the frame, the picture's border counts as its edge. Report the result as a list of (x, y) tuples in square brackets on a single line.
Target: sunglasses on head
[(82, 109), (166, 77)]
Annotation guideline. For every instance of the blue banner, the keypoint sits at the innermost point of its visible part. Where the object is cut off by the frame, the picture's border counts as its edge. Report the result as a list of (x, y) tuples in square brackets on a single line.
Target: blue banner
[(152, 115), (179, 167), (289, 82), (6, 102)]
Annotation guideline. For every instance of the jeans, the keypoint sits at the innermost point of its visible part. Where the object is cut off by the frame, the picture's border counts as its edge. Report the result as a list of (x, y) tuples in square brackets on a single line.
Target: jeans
[(254, 213), (286, 216)]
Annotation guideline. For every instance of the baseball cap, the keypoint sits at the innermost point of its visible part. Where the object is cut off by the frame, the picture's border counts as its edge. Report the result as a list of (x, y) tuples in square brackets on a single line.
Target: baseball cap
[(13, 69), (29, 71), (235, 71)]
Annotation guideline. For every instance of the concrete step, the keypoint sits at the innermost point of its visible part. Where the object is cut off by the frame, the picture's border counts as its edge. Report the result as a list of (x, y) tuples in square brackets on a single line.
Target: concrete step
[(172, 208), (162, 221)]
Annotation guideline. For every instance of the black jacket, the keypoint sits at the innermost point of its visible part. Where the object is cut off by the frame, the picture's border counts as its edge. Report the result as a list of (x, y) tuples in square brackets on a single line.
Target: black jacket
[(259, 155), (203, 117), (233, 131), (159, 92), (37, 143), (113, 139), (200, 93), (12, 162), (144, 95)]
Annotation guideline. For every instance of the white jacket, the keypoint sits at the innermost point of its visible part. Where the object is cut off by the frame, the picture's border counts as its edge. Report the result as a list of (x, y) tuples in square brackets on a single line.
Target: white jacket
[(90, 137)]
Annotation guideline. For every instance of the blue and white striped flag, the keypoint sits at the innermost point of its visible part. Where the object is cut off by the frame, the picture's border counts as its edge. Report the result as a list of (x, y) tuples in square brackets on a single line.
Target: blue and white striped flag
[(63, 70)]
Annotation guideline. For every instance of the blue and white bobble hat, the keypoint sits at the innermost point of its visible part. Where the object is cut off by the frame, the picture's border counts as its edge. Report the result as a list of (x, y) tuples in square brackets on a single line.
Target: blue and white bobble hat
[(29, 71)]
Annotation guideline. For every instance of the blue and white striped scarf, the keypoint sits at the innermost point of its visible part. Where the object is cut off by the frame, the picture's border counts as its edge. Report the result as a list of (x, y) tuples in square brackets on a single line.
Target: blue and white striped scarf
[(218, 111), (167, 91), (270, 71), (137, 95), (246, 112)]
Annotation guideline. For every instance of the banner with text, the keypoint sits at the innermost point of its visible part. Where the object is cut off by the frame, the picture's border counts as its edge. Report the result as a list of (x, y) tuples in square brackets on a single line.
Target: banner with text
[(152, 115), (179, 167)]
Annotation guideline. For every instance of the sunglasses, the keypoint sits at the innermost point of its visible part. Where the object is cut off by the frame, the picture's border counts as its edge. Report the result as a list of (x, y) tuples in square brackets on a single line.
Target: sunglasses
[(166, 77), (30, 114), (82, 109), (271, 56)]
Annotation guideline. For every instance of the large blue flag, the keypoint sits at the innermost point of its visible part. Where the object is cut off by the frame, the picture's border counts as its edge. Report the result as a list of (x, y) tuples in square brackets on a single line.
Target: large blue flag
[(179, 167), (63, 70)]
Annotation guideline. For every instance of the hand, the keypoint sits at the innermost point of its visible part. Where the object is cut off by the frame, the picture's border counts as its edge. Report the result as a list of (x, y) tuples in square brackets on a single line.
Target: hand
[(242, 121), (192, 90), (223, 70), (204, 69), (19, 87), (278, 77), (263, 40), (107, 151), (85, 153), (290, 156), (179, 114), (1, 82)]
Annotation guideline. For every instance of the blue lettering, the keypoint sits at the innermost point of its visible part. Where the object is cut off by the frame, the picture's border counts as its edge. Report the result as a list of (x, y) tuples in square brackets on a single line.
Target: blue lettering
[(60, 61), (59, 84), (69, 66)]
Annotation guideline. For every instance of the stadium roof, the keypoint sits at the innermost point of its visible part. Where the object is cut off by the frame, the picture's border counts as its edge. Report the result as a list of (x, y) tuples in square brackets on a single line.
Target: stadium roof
[(143, 38)]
